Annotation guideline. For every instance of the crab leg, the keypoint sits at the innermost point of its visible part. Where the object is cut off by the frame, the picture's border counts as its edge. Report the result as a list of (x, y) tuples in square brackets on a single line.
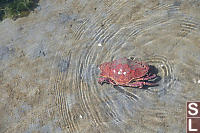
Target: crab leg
[(146, 78), (112, 82), (106, 80)]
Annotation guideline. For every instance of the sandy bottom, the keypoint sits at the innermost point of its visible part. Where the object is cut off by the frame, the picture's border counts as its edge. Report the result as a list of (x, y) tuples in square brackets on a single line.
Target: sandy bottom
[(49, 66)]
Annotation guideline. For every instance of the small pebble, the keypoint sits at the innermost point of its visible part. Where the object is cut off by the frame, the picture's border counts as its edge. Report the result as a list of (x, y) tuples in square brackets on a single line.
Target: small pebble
[(99, 44), (198, 81), (81, 116), (194, 80)]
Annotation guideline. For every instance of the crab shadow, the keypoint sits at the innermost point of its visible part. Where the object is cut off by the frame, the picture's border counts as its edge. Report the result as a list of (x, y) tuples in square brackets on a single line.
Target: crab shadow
[(153, 70), (121, 90)]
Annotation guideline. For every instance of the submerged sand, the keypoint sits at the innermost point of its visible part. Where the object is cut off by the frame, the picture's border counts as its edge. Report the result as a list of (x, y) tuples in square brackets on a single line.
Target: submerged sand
[(49, 66)]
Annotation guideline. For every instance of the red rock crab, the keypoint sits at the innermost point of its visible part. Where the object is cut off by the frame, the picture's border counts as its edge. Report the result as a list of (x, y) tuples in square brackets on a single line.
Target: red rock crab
[(125, 72)]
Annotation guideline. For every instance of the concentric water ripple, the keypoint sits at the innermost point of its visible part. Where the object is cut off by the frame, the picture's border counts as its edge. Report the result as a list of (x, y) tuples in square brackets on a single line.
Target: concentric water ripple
[(83, 104), (165, 73)]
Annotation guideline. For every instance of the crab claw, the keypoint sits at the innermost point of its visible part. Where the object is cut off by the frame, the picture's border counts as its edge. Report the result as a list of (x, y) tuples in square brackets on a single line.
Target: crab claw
[(101, 81)]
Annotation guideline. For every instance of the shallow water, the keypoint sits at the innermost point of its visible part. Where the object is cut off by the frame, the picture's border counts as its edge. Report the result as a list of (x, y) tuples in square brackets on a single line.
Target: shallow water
[(49, 66)]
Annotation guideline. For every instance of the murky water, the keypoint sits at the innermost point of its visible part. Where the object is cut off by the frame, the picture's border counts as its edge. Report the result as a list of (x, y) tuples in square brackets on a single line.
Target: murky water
[(49, 66)]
